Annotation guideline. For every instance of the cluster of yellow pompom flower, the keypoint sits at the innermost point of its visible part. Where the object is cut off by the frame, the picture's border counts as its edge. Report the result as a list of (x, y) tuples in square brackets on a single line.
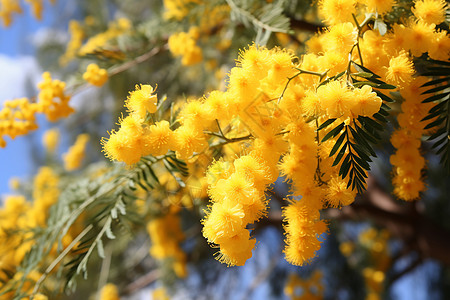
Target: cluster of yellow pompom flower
[(265, 131), (18, 217), (237, 192), (407, 161), (52, 100), (184, 44), (166, 235), (267, 113), (178, 9), (390, 56), (17, 117), (297, 288), (134, 139), (95, 75), (10, 7)]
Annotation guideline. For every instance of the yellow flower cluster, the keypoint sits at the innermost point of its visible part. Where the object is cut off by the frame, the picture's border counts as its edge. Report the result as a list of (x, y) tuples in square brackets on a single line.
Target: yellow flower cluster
[(73, 157), (77, 35), (134, 139), (178, 9), (10, 7), (338, 11), (407, 161), (269, 114), (390, 56), (337, 100), (303, 227), (248, 108), (7, 9), (297, 288), (17, 218), (238, 199), (17, 117), (95, 75), (184, 44), (109, 292), (98, 41), (430, 11), (166, 235), (377, 244), (52, 101)]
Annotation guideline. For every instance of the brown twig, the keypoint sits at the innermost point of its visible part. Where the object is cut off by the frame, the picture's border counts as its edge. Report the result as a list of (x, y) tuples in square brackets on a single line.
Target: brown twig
[(142, 282)]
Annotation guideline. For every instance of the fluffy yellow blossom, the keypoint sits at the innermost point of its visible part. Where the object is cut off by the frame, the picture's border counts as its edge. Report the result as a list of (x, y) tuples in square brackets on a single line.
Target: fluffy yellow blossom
[(142, 100), (224, 220), (338, 194), (95, 75), (440, 46), (337, 11), (336, 99), (159, 138), (303, 229), (341, 38), (237, 249), (379, 6), (188, 140), (128, 143), (400, 70), (184, 44), (430, 11), (367, 102), (420, 37), (312, 104), (407, 161), (195, 114)]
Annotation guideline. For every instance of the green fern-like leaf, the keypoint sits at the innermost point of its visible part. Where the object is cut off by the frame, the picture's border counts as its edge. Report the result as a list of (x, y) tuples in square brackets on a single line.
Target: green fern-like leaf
[(438, 116)]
